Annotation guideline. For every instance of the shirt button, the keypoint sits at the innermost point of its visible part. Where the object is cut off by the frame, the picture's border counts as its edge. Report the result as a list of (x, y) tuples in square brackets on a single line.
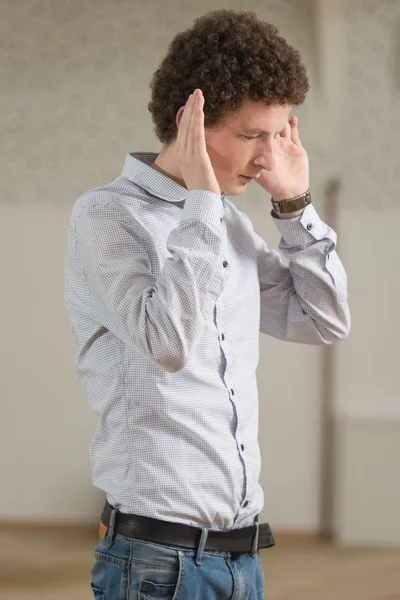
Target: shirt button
[(245, 504), (309, 226), (232, 392), (220, 219), (242, 446), (225, 263), (222, 337)]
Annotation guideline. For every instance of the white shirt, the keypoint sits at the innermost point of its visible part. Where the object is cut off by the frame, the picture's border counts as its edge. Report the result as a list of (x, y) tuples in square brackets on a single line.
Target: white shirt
[(167, 290)]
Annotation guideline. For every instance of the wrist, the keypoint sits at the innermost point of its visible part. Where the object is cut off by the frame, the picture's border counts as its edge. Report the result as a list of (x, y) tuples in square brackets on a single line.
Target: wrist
[(291, 215), (293, 206), (277, 197)]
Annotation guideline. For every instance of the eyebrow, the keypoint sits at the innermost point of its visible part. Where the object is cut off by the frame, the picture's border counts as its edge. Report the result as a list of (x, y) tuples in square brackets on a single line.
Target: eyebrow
[(255, 130)]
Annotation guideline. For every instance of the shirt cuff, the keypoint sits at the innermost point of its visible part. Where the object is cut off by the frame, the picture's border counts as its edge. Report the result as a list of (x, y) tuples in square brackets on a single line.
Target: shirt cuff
[(303, 229), (204, 206)]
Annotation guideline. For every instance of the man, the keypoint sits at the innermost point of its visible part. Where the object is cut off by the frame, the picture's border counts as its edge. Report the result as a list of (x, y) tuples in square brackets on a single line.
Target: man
[(168, 286)]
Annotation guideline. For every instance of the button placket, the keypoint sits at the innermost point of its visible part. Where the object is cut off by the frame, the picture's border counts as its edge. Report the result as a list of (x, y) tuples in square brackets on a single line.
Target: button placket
[(220, 323)]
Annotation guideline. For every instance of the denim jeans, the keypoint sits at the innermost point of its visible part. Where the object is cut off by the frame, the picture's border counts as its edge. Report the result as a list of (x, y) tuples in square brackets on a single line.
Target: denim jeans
[(130, 569)]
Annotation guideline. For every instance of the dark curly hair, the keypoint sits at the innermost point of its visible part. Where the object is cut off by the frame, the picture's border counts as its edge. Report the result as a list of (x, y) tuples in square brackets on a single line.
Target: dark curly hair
[(229, 55)]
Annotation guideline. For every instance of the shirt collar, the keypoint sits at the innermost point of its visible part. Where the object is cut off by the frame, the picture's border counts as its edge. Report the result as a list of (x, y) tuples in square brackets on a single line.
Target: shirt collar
[(137, 168)]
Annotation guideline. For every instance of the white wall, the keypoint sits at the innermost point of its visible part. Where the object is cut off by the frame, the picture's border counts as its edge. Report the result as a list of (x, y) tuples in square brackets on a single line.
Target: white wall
[(45, 435), (74, 102)]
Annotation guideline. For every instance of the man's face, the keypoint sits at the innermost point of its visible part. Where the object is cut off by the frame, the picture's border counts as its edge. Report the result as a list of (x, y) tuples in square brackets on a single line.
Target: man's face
[(233, 154)]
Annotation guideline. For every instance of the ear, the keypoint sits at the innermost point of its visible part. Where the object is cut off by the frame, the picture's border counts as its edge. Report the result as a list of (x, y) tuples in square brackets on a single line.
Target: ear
[(179, 115)]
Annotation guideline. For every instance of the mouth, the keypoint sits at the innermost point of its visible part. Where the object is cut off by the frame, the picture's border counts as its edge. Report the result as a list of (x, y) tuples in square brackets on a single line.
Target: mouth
[(247, 179)]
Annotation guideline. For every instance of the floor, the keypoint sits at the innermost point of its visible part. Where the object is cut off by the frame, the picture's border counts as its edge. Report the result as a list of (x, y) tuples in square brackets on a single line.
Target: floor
[(55, 565)]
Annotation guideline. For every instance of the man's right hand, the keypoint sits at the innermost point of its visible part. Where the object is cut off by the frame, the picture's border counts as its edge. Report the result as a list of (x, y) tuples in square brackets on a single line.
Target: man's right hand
[(191, 153)]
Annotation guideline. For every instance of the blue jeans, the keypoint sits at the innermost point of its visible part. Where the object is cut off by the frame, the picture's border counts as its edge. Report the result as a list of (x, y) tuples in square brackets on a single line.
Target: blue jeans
[(130, 569)]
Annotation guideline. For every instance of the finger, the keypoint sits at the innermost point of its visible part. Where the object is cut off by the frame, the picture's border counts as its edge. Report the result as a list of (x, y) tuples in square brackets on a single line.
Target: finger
[(184, 124), (285, 133), (294, 121), (182, 130), (192, 123), (199, 138)]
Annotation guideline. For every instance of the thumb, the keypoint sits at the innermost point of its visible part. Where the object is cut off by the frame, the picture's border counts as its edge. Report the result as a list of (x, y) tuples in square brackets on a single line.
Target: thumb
[(294, 123)]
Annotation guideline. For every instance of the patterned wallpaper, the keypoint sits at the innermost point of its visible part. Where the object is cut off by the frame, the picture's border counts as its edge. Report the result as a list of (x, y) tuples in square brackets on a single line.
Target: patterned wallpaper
[(75, 87), (369, 128)]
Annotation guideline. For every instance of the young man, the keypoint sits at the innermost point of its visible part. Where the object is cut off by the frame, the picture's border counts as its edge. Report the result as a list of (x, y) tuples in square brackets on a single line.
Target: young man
[(168, 286)]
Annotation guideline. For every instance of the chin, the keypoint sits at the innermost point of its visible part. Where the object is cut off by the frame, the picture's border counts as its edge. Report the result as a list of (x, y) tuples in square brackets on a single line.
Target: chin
[(234, 190)]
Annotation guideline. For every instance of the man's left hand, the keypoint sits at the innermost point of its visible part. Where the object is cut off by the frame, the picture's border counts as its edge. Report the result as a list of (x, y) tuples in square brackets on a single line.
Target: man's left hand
[(291, 174)]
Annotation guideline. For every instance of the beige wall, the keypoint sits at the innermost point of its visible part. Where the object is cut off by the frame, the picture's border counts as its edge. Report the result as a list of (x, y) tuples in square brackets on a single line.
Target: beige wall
[(73, 102)]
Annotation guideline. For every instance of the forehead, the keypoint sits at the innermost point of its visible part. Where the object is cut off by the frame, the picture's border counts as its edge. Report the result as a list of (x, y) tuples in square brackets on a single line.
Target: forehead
[(258, 115)]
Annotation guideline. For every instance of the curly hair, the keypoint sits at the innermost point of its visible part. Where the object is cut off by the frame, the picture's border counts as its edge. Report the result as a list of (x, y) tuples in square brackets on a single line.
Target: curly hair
[(229, 55)]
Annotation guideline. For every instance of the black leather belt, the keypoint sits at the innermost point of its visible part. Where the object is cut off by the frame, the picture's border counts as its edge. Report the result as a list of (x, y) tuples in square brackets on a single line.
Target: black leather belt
[(185, 536)]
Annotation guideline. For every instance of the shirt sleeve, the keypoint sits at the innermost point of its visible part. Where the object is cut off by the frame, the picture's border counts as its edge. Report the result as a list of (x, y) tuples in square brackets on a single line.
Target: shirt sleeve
[(304, 302), (162, 318)]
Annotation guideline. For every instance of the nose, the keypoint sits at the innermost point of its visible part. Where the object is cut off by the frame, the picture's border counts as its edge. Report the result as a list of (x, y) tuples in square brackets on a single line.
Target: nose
[(266, 158)]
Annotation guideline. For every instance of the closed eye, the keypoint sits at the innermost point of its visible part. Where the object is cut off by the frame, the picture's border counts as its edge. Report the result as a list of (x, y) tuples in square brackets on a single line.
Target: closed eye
[(257, 137)]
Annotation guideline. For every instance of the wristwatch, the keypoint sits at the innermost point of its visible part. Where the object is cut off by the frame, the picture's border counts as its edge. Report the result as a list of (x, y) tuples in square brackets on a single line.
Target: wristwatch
[(289, 205)]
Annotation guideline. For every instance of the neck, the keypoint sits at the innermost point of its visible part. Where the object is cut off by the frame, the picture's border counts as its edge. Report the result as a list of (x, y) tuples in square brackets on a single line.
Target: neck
[(165, 163)]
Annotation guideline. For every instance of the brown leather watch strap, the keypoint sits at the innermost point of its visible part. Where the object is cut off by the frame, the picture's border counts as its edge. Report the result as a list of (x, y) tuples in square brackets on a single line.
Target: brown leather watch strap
[(290, 205)]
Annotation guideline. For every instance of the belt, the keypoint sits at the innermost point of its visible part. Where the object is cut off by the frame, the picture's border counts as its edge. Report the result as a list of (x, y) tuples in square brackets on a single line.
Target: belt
[(185, 536)]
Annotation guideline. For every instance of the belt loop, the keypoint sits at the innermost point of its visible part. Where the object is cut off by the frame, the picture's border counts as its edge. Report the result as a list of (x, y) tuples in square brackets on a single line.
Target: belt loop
[(253, 551), (201, 546), (110, 531)]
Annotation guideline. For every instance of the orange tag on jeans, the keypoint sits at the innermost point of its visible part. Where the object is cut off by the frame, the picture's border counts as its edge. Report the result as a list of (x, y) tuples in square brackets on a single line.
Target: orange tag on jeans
[(103, 531)]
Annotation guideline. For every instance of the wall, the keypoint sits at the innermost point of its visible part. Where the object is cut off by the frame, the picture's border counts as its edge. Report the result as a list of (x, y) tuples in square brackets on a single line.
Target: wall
[(73, 103)]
